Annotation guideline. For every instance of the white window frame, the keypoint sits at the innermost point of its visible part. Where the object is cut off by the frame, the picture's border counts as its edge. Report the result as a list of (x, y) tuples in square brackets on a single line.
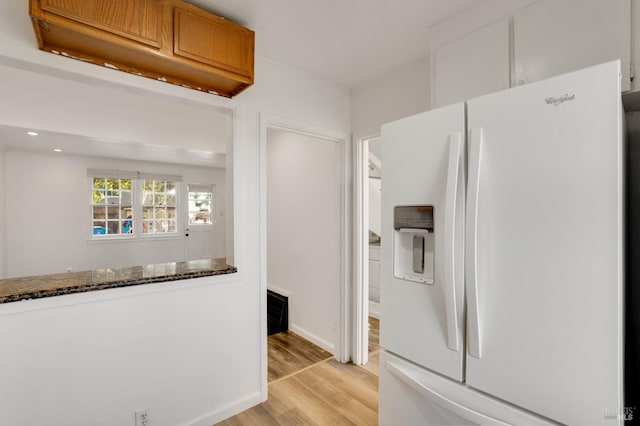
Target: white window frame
[(142, 206), (106, 206), (137, 179)]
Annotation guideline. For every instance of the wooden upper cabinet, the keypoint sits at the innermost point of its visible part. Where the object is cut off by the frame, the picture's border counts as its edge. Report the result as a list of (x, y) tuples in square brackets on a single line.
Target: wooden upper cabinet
[(213, 40), (140, 20), (167, 40)]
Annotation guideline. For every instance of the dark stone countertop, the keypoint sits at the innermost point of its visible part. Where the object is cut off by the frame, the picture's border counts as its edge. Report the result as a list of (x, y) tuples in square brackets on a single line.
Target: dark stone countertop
[(39, 286)]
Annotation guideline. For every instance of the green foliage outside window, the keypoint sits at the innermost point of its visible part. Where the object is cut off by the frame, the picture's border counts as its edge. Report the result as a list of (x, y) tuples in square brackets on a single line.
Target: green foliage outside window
[(108, 187)]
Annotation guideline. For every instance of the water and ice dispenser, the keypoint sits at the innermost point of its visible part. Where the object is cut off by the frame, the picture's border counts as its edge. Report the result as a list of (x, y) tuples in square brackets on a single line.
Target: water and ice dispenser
[(414, 243)]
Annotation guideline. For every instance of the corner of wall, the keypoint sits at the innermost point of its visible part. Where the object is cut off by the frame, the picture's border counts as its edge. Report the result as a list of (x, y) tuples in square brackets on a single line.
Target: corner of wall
[(3, 214)]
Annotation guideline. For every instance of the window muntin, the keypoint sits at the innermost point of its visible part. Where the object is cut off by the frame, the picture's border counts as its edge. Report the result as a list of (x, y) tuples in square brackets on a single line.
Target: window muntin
[(111, 206), (133, 206), (200, 205), (159, 205)]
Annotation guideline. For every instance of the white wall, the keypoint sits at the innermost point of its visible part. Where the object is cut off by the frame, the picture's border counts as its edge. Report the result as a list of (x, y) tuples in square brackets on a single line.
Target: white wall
[(195, 351), (305, 102), (401, 93), (635, 41), (303, 231), (184, 349), (407, 90), (473, 18), (48, 207), (282, 90), (3, 223), (85, 108)]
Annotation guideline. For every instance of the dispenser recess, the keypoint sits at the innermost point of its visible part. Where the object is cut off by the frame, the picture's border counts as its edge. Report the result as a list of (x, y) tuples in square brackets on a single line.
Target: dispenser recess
[(414, 242)]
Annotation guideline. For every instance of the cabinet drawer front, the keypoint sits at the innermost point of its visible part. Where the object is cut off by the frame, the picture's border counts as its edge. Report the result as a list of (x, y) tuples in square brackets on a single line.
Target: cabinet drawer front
[(214, 41), (139, 20)]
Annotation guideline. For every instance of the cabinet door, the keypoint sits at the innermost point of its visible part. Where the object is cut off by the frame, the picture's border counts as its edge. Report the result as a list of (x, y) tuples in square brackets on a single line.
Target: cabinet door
[(471, 66), (213, 40), (139, 20), (553, 37)]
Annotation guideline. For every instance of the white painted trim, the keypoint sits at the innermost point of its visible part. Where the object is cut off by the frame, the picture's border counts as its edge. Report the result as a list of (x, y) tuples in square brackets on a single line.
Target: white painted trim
[(327, 346), (346, 254), (228, 410), (361, 251), (374, 309), (360, 355), (341, 350), (262, 250)]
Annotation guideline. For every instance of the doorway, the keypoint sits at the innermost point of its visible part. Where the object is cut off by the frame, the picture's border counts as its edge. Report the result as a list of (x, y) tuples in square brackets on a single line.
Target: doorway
[(303, 231), (304, 241), (200, 214)]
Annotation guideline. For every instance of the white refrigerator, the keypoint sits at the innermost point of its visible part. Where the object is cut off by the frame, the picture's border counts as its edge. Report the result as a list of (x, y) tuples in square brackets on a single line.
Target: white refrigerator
[(502, 258)]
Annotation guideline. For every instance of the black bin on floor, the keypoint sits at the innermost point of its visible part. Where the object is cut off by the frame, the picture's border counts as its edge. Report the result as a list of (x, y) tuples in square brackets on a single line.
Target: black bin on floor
[(277, 313)]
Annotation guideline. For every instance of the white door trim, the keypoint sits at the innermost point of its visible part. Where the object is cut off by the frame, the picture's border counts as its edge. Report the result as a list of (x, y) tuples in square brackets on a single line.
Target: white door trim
[(361, 251)]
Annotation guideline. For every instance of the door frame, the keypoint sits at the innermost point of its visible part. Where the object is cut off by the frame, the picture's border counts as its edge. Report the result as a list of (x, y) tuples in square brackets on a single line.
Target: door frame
[(361, 251), (186, 227), (342, 348)]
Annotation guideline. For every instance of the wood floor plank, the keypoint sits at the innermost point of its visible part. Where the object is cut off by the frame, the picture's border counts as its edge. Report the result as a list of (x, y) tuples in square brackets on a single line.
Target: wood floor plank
[(374, 334), (324, 392), (295, 417), (359, 414), (309, 403), (276, 406), (256, 416), (289, 353), (336, 395), (356, 382)]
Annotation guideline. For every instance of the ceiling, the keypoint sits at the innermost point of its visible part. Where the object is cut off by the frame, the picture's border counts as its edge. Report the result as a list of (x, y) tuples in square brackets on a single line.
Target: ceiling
[(46, 142), (349, 42)]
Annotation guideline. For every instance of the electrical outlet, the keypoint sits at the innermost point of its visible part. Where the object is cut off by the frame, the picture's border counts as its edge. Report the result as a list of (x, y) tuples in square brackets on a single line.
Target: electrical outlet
[(143, 417)]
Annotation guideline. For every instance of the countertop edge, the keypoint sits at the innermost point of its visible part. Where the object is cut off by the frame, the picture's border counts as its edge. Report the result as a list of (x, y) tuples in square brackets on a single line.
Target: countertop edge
[(40, 293)]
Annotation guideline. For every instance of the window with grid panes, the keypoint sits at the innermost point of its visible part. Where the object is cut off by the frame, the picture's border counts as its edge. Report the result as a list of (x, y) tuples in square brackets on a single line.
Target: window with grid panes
[(159, 207), (112, 206)]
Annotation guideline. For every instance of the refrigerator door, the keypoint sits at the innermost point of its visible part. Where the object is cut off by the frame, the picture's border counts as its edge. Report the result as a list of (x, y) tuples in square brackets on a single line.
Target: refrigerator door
[(422, 267), (544, 246), (410, 395)]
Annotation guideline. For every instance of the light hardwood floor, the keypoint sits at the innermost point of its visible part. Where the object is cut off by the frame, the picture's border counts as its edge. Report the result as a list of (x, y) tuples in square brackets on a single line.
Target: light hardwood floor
[(329, 393), (289, 353), (307, 387)]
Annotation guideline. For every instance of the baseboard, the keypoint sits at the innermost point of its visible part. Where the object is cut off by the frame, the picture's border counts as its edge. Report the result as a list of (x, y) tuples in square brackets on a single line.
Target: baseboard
[(327, 346), (374, 309), (229, 410), (279, 290), (313, 338)]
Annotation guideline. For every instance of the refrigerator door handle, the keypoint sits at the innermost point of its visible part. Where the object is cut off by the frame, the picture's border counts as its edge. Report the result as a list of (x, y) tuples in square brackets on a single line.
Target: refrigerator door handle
[(471, 247), (455, 144), (441, 400)]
